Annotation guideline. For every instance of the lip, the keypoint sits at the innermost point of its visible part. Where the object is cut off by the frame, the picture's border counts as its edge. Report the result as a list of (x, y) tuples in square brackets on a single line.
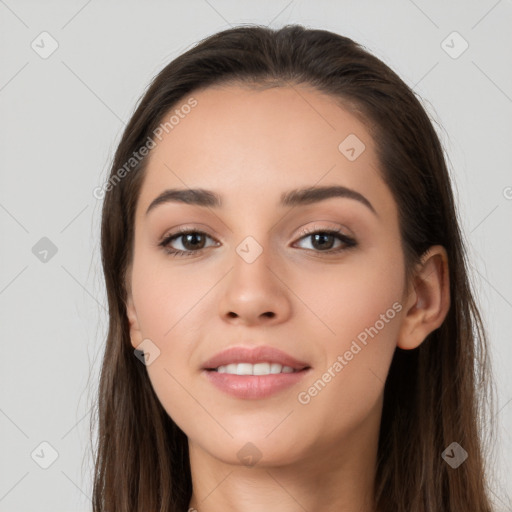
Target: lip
[(254, 386), (253, 355)]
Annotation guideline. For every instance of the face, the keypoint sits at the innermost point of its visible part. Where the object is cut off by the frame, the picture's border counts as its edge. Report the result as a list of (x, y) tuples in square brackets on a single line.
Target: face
[(319, 279)]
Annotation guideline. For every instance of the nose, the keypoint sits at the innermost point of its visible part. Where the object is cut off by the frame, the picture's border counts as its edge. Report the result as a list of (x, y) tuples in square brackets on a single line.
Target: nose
[(255, 293)]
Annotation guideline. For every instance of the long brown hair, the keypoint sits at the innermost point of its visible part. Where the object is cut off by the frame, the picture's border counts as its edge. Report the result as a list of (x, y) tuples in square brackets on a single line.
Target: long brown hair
[(434, 395)]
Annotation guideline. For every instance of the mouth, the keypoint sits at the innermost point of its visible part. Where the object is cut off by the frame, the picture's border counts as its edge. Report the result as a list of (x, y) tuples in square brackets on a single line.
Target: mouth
[(254, 372), (264, 368)]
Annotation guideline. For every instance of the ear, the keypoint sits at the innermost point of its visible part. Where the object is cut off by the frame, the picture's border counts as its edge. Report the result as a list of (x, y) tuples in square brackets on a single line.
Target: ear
[(428, 299), (135, 334)]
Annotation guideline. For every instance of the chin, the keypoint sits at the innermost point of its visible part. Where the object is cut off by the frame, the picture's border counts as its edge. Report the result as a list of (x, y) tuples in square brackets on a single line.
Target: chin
[(259, 454)]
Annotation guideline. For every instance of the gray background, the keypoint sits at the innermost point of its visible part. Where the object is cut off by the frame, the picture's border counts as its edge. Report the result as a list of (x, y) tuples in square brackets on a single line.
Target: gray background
[(61, 118)]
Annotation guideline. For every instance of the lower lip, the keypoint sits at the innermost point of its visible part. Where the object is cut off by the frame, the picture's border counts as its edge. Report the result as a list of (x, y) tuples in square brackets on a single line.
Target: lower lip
[(254, 386)]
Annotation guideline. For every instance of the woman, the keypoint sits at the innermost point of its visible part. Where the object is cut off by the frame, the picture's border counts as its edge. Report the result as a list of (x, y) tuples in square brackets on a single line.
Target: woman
[(291, 321)]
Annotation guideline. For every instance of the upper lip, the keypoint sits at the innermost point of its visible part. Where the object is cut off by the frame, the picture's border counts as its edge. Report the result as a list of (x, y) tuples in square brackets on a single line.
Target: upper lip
[(253, 355)]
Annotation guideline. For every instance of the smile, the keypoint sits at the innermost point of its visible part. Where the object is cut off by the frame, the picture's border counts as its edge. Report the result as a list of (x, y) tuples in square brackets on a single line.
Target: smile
[(253, 372), (255, 369)]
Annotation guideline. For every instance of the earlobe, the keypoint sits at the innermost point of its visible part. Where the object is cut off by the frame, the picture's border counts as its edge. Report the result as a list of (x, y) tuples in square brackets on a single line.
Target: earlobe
[(428, 299), (135, 334)]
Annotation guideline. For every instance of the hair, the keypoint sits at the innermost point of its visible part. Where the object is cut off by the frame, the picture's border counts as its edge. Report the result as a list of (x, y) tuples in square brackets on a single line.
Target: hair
[(434, 394)]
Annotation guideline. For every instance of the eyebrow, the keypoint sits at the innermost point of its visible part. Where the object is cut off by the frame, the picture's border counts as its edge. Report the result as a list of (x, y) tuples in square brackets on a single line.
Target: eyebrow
[(301, 196)]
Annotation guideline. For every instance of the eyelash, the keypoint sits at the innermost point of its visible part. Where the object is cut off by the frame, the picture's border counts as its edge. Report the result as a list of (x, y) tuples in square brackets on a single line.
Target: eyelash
[(348, 241)]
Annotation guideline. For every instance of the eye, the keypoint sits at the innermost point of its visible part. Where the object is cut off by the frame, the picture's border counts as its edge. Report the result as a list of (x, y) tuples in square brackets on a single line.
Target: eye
[(192, 241), (323, 240)]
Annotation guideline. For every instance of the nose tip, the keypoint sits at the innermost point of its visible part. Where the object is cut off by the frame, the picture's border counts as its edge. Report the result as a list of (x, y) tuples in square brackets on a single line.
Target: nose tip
[(253, 293)]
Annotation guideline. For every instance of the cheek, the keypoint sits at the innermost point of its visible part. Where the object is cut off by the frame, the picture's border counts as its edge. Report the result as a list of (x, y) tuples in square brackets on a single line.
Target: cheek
[(352, 296), (170, 305), (165, 294), (361, 306)]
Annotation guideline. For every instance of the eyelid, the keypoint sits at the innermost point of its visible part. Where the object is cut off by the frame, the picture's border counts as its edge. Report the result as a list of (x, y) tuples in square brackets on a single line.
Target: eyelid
[(181, 230), (348, 241), (342, 230), (174, 232)]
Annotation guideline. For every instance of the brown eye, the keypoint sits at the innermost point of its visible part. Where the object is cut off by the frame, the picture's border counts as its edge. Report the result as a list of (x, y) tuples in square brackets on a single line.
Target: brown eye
[(191, 242), (324, 240)]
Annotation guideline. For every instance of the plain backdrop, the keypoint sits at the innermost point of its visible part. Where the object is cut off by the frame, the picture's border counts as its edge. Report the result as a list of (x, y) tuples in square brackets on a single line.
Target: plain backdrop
[(62, 115)]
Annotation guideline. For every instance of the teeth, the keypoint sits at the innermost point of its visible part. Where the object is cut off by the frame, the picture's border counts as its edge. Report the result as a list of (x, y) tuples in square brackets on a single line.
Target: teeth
[(275, 368), (260, 368), (254, 369)]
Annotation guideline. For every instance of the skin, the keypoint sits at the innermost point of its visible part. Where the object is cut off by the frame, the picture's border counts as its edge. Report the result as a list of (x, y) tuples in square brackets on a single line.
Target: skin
[(250, 146)]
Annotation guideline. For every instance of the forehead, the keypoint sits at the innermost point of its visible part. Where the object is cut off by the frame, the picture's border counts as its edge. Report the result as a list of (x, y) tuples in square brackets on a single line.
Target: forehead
[(252, 144)]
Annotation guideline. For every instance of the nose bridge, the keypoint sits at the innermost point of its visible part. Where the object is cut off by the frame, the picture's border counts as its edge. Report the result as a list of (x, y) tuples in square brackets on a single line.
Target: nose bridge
[(253, 263), (253, 290), (253, 233)]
